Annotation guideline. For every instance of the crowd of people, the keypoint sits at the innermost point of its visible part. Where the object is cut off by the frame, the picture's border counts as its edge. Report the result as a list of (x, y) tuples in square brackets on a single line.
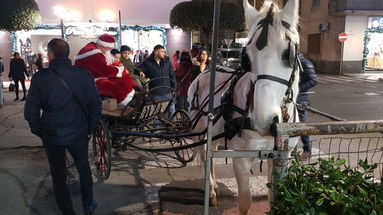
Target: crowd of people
[(177, 72)]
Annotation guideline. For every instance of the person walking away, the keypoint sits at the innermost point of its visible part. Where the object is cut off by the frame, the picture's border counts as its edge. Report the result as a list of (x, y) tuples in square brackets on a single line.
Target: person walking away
[(308, 79), (71, 108), (137, 58), (39, 62), (194, 53), (176, 58), (1, 83), (17, 74), (137, 75), (157, 65), (185, 75), (202, 60), (146, 55)]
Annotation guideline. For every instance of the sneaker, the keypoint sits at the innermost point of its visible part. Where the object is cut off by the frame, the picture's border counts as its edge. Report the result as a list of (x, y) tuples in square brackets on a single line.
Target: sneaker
[(16, 99), (23, 99), (305, 156), (89, 209)]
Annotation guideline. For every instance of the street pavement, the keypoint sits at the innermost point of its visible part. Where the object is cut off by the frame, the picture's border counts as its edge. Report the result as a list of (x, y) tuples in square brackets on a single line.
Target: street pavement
[(147, 183)]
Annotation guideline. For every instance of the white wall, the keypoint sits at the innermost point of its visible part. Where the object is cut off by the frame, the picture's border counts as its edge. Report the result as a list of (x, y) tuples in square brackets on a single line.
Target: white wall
[(5, 52), (178, 40), (354, 45)]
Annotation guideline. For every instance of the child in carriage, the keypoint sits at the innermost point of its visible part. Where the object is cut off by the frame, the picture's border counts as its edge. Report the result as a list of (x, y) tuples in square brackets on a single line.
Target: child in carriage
[(137, 75), (117, 62)]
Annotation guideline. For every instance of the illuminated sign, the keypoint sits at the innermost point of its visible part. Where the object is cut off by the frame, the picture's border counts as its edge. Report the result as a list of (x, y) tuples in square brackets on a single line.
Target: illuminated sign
[(375, 22)]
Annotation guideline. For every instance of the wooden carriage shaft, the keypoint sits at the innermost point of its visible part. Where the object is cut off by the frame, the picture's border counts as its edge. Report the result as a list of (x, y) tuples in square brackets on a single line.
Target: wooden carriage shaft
[(326, 128)]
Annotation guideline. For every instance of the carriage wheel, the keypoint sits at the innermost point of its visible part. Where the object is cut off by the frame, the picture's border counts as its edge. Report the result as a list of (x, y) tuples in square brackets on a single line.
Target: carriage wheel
[(102, 151), (182, 124)]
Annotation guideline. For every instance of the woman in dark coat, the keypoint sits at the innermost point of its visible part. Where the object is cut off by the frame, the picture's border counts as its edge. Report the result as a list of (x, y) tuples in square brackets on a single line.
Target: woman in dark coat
[(17, 73), (185, 75), (39, 62)]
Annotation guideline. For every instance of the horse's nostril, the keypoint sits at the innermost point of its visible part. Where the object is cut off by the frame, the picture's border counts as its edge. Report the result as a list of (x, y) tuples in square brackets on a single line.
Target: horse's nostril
[(276, 119)]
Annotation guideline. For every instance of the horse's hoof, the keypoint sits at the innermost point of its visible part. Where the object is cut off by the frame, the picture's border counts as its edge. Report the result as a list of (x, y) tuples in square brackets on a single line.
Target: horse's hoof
[(216, 190), (213, 201)]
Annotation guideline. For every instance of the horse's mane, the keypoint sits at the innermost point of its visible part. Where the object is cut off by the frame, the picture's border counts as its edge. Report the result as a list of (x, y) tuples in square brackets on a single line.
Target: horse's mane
[(292, 34)]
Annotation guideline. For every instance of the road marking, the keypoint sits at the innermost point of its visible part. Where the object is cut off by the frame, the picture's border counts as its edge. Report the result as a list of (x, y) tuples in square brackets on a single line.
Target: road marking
[(372, 94), (327, 79)]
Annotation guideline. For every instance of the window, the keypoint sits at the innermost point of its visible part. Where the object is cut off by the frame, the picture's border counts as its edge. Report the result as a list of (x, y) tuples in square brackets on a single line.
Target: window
[(316, 3), (314, 43)]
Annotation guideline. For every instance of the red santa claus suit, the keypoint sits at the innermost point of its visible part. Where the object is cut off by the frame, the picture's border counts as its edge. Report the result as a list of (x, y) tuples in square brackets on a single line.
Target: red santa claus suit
[(111, 81)]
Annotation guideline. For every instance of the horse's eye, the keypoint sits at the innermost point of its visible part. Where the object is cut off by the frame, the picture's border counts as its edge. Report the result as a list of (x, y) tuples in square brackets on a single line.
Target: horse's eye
[(286, 54)]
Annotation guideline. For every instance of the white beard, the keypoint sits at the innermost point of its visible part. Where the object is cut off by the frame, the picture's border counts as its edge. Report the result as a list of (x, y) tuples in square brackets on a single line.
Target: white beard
[(109, 58)]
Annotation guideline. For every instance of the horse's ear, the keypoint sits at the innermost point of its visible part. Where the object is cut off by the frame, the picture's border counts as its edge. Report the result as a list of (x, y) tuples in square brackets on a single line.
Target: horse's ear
[(250, 13), (290, 12)]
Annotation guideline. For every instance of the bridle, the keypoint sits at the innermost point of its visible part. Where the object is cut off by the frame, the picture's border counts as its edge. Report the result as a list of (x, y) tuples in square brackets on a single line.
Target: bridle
[(295, 64)]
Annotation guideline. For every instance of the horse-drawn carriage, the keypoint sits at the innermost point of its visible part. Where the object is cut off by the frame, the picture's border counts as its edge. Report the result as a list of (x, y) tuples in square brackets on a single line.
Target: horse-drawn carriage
[(145, 119)]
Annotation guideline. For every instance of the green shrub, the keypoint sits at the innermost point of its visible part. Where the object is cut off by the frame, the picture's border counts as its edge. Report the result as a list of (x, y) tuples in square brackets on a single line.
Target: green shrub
[(198, 16), (19, 15), (310, 190)]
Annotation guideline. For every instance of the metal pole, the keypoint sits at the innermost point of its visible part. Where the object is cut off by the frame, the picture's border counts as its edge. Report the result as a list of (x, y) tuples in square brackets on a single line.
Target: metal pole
[(62, 29), (119, 29), (138, 40), (280, 165), (209, 153), (326, 128), (341, 59)]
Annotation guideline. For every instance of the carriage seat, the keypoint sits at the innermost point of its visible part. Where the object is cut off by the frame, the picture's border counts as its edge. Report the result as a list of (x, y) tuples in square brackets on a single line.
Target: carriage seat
[(110, 108)]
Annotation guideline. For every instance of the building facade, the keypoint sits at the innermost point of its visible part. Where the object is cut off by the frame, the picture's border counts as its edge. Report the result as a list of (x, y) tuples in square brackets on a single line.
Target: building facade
[(362, 20)]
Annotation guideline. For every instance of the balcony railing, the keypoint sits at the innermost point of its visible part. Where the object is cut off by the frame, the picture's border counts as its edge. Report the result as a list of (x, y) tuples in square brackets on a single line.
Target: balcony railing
[(354, 5)]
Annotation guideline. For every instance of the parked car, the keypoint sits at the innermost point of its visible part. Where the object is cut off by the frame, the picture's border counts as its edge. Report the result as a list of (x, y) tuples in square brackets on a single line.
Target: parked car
[(230, 57)]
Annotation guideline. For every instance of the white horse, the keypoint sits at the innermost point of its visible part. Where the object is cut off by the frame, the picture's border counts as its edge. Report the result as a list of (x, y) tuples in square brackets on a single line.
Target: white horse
[(272, 35)]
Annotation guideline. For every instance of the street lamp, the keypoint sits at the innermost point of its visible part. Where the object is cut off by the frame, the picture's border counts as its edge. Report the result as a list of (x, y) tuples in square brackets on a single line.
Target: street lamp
[(64, 13), (107, 16)]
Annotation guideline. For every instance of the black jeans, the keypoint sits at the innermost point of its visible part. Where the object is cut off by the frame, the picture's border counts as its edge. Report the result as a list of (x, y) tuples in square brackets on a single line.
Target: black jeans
[(305, 139), (182, 102), (17, 87), (57, 164)]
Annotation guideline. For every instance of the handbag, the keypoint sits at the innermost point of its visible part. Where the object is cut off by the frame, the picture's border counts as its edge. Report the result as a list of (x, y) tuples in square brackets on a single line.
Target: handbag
[(11, 87)]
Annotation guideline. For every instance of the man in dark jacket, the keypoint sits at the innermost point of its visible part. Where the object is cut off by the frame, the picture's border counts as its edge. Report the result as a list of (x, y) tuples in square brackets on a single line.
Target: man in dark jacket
[(158, 65), (70, 112), (308, 79), (137, 59)]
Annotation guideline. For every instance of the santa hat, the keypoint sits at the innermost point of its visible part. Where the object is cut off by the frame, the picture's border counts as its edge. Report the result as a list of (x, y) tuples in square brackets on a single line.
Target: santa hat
[(106, 40)]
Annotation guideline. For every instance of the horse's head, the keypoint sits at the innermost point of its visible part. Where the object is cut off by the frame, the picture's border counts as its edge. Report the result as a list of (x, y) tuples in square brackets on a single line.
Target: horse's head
[(273, 38)]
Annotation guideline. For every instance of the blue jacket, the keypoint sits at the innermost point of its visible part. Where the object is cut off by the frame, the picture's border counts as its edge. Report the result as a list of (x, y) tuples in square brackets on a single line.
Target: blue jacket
[(308, 79), (154, 70), (62, 121)]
